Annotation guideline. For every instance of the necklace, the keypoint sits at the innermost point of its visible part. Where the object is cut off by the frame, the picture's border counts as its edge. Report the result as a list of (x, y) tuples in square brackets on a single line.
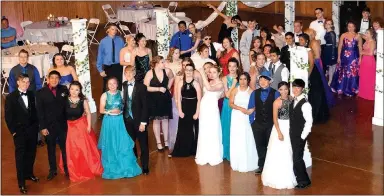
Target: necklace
[(73, 102)]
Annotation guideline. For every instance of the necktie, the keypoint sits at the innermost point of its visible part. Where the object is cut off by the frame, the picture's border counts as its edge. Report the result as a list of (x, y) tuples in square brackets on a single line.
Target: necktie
[(24, 70), (253, 35), (113, 51), (273, 69)]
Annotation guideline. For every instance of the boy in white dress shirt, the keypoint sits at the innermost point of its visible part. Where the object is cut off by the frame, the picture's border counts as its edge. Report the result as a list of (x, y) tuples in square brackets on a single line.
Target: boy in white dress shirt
[(318, 25)]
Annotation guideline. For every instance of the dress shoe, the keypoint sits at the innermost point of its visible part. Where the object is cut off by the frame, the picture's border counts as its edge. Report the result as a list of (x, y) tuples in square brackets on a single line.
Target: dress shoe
[(23, 189), (259, 171), (146, 171), (302, 186), (33, 178), (51, 175)]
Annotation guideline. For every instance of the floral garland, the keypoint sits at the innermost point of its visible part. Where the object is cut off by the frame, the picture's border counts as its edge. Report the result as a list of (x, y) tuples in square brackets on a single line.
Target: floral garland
[(231, 10), (301, 64)]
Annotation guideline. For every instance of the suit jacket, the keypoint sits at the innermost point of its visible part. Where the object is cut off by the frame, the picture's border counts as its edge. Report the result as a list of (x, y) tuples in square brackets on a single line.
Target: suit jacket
[(18, 117), (213, 52), (285, 56), (139, 102), (51, 109)]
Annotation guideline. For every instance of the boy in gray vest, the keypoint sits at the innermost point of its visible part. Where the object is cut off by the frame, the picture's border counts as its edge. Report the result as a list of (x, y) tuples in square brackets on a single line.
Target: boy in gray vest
[(279, 71)]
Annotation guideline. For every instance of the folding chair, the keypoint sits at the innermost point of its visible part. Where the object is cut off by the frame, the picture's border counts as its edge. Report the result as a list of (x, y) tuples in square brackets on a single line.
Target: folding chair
[(5, 73), (68, 34), (23, 24), (172, 5), (93, 24), (68, 49), (62, 18), (111, 16), (123, 29)]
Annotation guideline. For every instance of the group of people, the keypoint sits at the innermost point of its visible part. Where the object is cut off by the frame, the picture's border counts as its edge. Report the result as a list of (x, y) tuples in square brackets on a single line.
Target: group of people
[(210, 102)]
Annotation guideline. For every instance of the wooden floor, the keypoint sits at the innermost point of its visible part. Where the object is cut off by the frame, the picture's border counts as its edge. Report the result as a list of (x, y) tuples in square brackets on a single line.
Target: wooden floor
[(347, 159)]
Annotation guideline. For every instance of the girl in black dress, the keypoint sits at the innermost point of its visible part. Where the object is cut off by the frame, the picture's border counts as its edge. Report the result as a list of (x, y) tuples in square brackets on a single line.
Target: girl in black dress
[(329, 55), (189, 95), (158, 81), (142, 58)]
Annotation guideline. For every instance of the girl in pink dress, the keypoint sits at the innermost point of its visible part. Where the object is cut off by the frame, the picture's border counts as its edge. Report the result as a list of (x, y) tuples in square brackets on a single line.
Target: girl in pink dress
[(368, 67)]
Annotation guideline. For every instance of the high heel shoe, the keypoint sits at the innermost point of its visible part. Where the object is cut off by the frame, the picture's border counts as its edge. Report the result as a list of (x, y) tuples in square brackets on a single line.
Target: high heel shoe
[(161, 147), (166, 144)]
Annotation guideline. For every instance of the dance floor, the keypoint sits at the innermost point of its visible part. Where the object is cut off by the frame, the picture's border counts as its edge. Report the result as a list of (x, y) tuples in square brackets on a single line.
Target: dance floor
[(347, 159)]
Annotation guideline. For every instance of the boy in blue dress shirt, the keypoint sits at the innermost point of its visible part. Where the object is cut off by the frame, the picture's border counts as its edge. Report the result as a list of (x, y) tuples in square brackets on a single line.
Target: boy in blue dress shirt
[(182, 39)]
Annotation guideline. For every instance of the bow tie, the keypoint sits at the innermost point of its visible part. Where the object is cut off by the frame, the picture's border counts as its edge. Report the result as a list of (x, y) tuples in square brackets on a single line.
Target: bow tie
[(23, 94), (365, 21), (131, 84), (319, 21), (264, 90), (184, 33)]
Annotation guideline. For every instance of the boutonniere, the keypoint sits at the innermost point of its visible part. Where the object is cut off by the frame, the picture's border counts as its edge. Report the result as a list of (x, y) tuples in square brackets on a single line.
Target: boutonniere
[(63, 94), (190, 35)]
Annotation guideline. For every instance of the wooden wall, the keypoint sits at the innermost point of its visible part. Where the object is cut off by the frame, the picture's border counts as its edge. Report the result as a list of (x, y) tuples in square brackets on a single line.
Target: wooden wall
[(18, 11)]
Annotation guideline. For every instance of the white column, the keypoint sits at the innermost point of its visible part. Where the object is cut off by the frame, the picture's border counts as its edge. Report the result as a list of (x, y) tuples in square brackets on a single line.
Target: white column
[(336, 17), (289, 15), (80, 41), (378, 112), (162, 31), (299, 66), (231, 10)]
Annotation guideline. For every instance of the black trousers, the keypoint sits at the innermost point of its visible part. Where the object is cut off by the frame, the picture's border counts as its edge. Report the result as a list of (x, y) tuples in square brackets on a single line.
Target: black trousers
[(57, 130), (133, 131), (114, 70), (298, 163), (261, 133), (25, 153)]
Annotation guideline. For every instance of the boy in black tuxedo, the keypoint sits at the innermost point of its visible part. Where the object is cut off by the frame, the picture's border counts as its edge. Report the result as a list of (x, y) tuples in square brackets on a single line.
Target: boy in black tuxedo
[(300, 124), (136, 114), (21, 119), (50, 104)]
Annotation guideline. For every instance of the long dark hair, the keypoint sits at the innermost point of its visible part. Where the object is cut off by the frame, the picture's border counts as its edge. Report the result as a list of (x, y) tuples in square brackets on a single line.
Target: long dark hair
[(77, 83), (246, 74), (253, 42), (54, 57), (188, 65), (306, 38), (138, 37)]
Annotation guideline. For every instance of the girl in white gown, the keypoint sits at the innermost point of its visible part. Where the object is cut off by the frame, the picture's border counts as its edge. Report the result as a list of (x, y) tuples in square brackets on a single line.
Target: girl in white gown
[(242, 143), (278, 168), (209, 144)]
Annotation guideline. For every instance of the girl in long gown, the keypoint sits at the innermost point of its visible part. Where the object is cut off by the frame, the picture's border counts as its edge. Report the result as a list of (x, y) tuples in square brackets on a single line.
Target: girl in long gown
[(278, 168), (243, 147), (174, 64), (230, 83), (228, 53), (128, 54), (188, 95), (329, 56), (368, 67), (209, 143), (158, 81), (117, 156), (83, 157), (346, 78), (143, 58), (320, 95), (67, 72)]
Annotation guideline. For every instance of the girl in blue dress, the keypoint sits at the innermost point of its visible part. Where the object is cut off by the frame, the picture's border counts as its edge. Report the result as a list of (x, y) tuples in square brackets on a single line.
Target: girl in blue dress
[(67, 72), (230, 82), (117, 156)]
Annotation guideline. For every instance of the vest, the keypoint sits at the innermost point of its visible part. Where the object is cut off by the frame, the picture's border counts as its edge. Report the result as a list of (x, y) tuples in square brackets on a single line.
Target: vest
[(276, 75), (128, 109), (296, 118), (264, 110), (17, 70)]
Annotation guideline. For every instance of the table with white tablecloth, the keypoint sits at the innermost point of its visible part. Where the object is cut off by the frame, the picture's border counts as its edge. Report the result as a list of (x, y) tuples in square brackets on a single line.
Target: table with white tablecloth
[(149, 28), (39, 55), (129, 14), (53, 34)]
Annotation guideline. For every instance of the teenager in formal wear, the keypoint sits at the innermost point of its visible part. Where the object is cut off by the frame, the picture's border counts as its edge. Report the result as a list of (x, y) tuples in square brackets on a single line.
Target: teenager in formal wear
[(117, 156), (229, 52), (196, 74), (255, 49), (266, 50), (83, 157), (67, 72), (209, 144), (51, 101), (260, 108), (297, 30), (108, 56), (278, 70), (242, 144), (188, 99), (300, 125), (256, 70), (143, 57), (196, 39), (182, 39), (368, 66), (135, 112), (128, 53), (365, 23), (285, 54), (201, 57), (318, 25), (207, 40), (22, 122), (158, 81), (377, 24), (246, 42), (329, 55), (265, 35), (230, 83)]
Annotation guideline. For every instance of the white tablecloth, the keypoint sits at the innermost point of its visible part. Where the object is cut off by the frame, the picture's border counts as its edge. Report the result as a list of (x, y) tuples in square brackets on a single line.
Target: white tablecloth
[(149, 28), (54, 34), (129, 14), (40, 60)]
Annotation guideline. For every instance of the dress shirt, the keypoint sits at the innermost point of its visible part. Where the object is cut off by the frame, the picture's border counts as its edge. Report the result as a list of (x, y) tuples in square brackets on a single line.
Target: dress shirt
[(8, 32), (284, 72), (318, 26), (24, 97), (263, 97), (182, 40), (19, 69), (297, 36), (364, 25), (53, 89), (307, 114), (131, 85), (246, 41), (199, 62), (104, 55)]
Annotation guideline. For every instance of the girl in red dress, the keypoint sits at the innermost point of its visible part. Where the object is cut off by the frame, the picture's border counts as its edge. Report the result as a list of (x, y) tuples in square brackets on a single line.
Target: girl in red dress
[(229, 52)]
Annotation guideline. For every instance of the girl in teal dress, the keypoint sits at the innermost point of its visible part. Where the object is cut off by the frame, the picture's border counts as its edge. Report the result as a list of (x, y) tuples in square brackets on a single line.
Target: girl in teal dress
[(230, 82), (117, 156)]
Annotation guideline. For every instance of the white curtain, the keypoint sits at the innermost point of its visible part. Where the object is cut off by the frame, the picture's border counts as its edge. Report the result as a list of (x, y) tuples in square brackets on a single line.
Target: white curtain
[(289, 15)]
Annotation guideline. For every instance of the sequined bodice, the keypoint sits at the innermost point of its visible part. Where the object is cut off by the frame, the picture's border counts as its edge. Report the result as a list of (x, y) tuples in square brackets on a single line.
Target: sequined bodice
[(66, 80), (114, 101), (283, 112)]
